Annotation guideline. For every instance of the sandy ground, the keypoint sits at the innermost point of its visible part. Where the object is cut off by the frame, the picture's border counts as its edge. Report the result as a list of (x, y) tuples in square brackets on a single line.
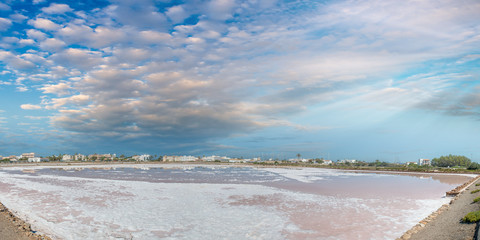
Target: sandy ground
[(447, 224), (13, 228), (8, 231)]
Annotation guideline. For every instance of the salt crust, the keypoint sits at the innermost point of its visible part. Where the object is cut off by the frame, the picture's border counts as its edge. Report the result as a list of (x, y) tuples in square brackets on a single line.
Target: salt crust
[(80, 208)]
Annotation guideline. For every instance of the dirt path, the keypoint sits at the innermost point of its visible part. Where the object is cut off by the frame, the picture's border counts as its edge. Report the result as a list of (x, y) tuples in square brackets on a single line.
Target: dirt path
[(13, 228), (447, 224)]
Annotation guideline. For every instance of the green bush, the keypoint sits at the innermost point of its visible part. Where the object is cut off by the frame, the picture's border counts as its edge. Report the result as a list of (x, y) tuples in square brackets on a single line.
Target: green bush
[(475, 191), (451, 161), (478, 184), (473, 166), (472, 217), (476, 199)]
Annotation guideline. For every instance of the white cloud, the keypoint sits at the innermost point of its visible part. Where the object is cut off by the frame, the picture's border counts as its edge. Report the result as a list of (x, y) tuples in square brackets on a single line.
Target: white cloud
[(17, 17), (78, 58), (35, 34), (30, 107), (35, 58), (44, 24), (22, 88), (77, 100), (177, 14), (155, 37), (140, 14), (55, 8), (15, 61), (52, 44), (131, 55), (468, 58), (38, 1), (97, 38), (4, 7), (220, 9), (60, 89), (26, 41), (5, 24)]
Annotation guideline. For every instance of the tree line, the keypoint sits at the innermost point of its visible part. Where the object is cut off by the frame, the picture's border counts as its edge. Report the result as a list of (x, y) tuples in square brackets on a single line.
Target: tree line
[(451, 161)]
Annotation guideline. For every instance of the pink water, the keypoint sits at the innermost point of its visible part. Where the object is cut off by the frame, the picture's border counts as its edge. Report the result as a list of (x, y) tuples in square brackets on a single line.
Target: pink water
[(218, 202)]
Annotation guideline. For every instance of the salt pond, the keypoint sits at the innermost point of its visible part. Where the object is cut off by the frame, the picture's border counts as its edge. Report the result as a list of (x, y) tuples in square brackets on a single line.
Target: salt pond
[(220, 202)]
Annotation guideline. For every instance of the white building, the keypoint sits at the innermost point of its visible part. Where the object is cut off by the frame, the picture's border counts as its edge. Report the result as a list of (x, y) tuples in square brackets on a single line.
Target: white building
[(183, 158), (214, 158), (187, 159), (27, 155), (34, 159), (327, 162), (67, 157), (143, 157), (347, 161), (423, 161), (12, 158), (80, 157), (102, 156)]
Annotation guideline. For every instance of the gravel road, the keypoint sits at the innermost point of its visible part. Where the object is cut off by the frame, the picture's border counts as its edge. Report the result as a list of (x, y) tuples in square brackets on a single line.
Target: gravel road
[(447, 224)]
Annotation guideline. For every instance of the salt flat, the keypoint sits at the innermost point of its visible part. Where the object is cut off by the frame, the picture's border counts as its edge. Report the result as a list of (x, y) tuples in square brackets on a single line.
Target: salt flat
[(218, 202)]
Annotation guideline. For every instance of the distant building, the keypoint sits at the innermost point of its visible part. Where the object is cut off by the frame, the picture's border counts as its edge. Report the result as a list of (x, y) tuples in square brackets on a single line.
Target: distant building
[(179, 158), (422, 162), (80, 157), (411, 163), (327, 162), (34, 159), (102, 156), (347, 161), (144, 157), (187, 159), (27, 155), (67, 157), (214, 158), (237, 160)]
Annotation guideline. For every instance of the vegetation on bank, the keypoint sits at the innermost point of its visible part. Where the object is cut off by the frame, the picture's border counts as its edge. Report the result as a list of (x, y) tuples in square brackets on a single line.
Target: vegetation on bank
[(476, 199), (475, 191), (452, 160), (472, 217), (377, 165)]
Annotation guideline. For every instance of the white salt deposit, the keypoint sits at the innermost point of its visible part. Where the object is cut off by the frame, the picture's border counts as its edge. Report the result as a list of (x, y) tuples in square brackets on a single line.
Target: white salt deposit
[(91, 205)]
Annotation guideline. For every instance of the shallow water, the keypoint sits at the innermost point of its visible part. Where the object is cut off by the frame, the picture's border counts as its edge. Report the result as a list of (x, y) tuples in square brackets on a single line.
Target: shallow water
[(220, 202)]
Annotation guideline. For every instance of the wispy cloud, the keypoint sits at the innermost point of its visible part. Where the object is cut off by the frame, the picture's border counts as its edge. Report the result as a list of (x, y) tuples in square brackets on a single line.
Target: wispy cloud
[(30, 107)]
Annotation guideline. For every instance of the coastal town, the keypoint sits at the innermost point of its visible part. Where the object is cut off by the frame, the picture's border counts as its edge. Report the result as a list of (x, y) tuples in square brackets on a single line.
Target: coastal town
[(36, 158)]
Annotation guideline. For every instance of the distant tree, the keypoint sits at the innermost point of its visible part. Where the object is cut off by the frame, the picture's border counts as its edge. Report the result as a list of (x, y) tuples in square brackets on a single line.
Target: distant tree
[(474, 166), (298, 155), (451, 161)]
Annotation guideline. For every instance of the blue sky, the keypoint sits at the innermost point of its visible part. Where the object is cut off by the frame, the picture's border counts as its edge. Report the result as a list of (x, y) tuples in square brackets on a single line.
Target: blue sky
[(387, 80)]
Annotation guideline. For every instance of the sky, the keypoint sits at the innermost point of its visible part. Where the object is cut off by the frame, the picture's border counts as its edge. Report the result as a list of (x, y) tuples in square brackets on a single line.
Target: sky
[(374, 79)]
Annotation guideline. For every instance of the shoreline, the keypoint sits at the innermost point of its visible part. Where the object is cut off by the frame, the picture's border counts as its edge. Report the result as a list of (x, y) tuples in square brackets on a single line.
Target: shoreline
[(434, 224), (16, 228), (24, 228)]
